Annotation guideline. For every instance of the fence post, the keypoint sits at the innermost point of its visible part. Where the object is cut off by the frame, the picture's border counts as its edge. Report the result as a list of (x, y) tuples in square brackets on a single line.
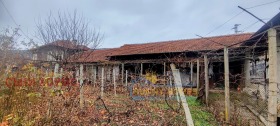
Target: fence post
[(191, 72), (197, 76), (206, 78), (141, 71), (122, 72), (247, 70), (227, 100), (56, 67), (61, 73), (81, 86), (164, 72), (94, 75), (77, 74), (126, 78), (102, 81), (164, 68), (273, 77), (114, 81)]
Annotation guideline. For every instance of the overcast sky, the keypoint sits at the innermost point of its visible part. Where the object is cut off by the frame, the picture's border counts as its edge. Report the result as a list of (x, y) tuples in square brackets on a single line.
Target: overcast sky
[(141, 21)]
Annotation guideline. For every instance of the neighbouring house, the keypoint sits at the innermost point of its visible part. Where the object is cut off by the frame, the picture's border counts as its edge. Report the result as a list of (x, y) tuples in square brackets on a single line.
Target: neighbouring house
[(56, 51)]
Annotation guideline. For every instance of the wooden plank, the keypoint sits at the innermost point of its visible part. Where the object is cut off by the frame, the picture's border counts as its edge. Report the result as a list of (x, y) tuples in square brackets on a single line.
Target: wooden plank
[(178, 84), (257, 114)]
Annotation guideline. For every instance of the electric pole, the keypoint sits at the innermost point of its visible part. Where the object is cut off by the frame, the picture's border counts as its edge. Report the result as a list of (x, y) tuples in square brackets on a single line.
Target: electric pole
[(236, 28)]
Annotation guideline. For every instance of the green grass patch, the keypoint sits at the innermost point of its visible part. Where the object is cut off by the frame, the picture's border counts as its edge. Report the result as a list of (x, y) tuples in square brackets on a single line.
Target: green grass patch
[(200, 115)]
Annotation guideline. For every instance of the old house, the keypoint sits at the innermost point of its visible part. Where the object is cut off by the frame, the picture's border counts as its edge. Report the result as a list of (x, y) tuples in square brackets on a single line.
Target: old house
[(256, 65), (156, 57), (56, 51), (150, 62)]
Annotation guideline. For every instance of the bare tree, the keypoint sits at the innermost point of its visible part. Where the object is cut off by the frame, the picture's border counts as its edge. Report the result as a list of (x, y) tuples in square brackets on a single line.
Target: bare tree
[(68, 27), (67, 35), (8, 40)]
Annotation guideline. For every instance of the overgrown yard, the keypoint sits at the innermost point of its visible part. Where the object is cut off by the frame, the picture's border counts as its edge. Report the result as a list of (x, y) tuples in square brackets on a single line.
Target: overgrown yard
[(34, 101), (240, 114), (45, 106)]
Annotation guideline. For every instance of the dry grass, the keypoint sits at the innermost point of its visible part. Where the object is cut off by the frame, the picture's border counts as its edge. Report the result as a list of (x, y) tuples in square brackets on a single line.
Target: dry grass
[(64, 108)]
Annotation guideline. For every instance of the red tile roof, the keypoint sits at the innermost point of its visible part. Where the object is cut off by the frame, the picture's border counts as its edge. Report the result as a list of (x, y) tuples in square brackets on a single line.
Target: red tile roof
[(198, 44), (97, 55)]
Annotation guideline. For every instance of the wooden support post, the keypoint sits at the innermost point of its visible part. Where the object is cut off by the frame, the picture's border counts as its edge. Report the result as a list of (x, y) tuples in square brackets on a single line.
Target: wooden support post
[(108, 74), (126, 76), (56, 67), (141, 69), (178, 85), (206, 76), (122, 73), (56, 75), (94, 75), (114, 81), (197, 76), (171, 88), (191, 72), (164, 72), (273, 77), (81, 86), (61, 73), (77, 74), (227, 100), (278, 68), (47, 72), (102, 81), (247, 70), (164, 68)]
